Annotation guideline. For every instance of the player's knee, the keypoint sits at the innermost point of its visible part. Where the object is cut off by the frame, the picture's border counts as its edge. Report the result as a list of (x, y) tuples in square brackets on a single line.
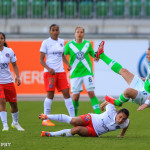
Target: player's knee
[(78, 130), (73, 121), (2, 101), (128, 92)]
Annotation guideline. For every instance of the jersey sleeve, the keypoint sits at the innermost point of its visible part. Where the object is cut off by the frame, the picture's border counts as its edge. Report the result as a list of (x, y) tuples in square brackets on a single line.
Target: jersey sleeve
[(13, 57), (43, 47), (110, 108), (91, 51), (126, 123), (66, 52)]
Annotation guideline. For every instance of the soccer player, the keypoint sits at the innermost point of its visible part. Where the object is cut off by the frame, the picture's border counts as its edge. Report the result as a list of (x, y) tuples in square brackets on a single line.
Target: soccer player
[(54, 74), (91, 125), (7, 88), (136, 91), (81, 71)]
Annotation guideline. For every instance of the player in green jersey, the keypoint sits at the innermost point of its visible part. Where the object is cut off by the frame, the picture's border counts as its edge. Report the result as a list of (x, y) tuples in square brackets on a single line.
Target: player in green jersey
[(138, 90), (81, 71)]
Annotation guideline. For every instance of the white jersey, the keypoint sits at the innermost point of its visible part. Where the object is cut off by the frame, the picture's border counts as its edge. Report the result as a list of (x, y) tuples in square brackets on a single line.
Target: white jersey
[(6, 56), (53, 50), (105, 122)]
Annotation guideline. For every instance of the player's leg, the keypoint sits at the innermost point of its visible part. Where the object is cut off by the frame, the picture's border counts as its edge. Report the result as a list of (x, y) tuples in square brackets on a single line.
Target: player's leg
[(11, 97), (3, 113), (63, 86), (68, 102), (76, 96), (76, 88), (89, 85), (114, 65), (127, 94), (49, 82)]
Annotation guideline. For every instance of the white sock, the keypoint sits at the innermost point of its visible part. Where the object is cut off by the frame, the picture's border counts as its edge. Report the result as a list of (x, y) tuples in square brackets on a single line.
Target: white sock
[(47, 106), (15, 117), (60, 118), (65, 132), (70, 107), (3, 115)]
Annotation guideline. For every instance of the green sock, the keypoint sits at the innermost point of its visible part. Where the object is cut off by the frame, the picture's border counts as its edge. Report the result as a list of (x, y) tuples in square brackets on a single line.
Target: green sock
[(95, 104), (121, 100), (76, 105), (115, 66)]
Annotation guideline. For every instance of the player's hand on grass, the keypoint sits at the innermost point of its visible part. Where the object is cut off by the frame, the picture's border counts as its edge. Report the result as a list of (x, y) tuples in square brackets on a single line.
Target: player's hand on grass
[(142, 107)]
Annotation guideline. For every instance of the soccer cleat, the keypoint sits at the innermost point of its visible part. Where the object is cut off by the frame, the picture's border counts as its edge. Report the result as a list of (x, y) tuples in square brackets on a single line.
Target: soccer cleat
[(100, 49), (43, 116), (44, 133), (47, 123), (110, 99), (5, 128), (17, 126)]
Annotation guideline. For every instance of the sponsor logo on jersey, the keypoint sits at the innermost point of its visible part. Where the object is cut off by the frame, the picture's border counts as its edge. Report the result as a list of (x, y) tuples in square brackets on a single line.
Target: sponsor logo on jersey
[(7, 55), (59, 54), (4, 65), (104, 126), (143, 66), (80, 55)]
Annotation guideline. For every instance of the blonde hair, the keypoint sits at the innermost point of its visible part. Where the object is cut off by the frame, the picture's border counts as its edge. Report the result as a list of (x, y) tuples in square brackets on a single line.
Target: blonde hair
[(78, 28)]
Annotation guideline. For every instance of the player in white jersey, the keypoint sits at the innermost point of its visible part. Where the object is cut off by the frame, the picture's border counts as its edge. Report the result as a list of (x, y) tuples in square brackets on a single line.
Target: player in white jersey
[(54, 74), (136, 90), (91, 125), (7, 88)]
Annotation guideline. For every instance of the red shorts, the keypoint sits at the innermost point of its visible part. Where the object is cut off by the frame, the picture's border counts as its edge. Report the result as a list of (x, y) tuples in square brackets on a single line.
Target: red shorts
[(8, 92), (87, 122), (59, 81)]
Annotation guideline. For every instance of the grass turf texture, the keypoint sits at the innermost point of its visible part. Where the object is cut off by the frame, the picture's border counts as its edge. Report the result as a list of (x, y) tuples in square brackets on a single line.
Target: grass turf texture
[(136, 138)]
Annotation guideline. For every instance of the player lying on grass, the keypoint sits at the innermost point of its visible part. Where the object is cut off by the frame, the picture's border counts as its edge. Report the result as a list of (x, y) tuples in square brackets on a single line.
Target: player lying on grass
[(91, 125), (138, 90)]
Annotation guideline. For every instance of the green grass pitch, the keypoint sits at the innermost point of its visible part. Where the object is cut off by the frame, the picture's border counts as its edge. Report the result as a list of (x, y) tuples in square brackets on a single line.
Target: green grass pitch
[(136, 138)]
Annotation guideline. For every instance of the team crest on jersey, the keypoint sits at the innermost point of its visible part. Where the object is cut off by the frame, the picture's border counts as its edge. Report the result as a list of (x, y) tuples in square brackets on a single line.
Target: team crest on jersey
[(61, 44), (7, 55), (80, 55)]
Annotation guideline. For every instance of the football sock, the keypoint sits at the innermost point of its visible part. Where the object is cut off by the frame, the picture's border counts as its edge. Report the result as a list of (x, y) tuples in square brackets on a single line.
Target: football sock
[(3, 115), (115, 66), (60, 118), (122, 99), (76, 105), (47, 106), (15, 117), (95, 104), (70, 107), (65, 132)]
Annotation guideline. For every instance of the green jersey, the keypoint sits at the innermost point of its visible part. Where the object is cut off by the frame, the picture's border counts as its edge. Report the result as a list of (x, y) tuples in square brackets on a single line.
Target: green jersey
[(79, 58)]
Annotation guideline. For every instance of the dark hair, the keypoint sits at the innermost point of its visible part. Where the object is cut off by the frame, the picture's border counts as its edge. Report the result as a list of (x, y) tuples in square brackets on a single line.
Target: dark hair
[(149, 48), (53, 26), (125, 111), (5, 44)]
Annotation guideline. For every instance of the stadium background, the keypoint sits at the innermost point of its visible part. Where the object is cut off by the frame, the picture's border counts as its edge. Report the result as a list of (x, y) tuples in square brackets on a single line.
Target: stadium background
[(123, 24)]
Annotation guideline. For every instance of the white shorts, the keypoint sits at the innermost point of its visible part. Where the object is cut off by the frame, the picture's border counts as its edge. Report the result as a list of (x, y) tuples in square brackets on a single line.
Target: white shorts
[(76, 84), (138, 85)]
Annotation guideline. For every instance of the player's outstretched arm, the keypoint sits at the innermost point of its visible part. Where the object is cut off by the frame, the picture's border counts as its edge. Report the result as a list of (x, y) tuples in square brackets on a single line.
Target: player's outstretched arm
[(102, 106), (123, 132)]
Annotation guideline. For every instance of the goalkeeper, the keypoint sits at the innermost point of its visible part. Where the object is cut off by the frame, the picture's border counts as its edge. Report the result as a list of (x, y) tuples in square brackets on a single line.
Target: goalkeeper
[(138, 90)]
